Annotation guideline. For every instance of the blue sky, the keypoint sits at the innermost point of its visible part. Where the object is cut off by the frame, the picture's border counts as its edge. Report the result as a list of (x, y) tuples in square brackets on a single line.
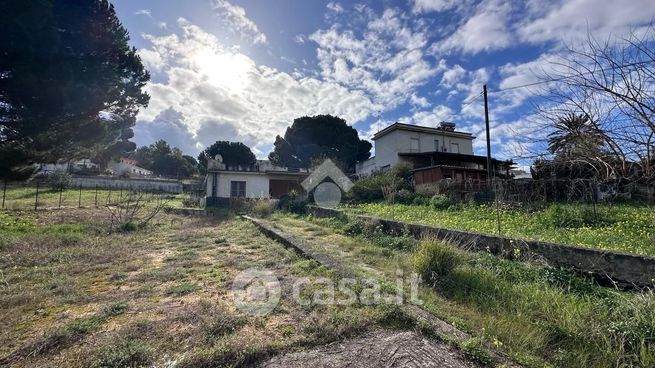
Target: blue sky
[(243, 70)]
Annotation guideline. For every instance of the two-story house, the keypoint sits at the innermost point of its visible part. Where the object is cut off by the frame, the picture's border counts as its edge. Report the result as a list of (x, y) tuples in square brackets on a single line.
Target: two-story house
[(433, 153)]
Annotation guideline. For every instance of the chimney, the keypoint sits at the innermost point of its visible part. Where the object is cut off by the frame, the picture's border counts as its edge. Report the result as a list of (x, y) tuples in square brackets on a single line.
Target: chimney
[(447, 126)]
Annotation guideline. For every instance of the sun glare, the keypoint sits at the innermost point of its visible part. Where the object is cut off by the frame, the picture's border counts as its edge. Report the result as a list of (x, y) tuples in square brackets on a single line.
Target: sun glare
[(226, 69)]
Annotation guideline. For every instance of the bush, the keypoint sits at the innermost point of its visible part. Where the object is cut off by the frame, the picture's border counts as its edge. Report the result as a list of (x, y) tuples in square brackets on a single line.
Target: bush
[(559, 216), (421, 200), (292, 204), (435, 259), (405, 196), (263, 208), (369, 188), (60, 179), (441, 202)]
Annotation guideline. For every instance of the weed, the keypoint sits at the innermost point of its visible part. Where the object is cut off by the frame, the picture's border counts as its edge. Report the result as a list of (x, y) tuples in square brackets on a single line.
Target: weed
[(474, 350), (434, 260), (130, 352), (182, 289)]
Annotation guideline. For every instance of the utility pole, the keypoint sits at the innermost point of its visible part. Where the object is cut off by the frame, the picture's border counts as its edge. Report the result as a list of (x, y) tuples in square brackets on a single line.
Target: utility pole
[(486, 123), (489, 165)]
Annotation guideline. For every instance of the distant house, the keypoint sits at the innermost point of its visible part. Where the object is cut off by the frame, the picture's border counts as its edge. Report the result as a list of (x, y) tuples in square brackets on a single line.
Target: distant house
[(67, 166), (260, 181), (434, 154), (128, 167)]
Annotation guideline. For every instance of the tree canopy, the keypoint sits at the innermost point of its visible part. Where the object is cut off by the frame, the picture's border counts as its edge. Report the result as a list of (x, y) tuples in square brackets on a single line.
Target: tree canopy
[(164, 160), (70, 84), (319, 136), (233, 153)]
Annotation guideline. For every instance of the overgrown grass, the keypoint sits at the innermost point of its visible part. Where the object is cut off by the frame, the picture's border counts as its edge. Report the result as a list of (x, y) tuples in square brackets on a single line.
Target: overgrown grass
[(24, 197), (64, 280), (542, 317), (622, 227)]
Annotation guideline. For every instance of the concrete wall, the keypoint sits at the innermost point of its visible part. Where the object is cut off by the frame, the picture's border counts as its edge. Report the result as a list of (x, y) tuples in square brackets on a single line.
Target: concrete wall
[(169, 186), (257, 184), (627, 270)]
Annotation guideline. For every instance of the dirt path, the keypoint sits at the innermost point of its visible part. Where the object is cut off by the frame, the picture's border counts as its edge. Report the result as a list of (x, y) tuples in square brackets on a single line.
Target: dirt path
[(380, 348)]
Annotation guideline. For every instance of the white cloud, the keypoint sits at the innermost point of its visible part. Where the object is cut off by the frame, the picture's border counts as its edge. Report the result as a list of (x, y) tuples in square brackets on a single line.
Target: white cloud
[(430, 118), (335, 7), (386, 59), (419, 101), (424, 6), (486, 30), (237, 19), (220, 93), (571, 20), (453, 75), (145, 12), (300, 39)]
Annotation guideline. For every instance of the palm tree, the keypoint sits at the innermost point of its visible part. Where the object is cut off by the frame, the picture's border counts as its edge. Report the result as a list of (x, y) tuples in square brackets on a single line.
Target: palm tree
[(575, 136)]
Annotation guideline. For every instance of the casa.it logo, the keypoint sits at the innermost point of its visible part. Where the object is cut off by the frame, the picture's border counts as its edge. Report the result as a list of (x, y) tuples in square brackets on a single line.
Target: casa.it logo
[(256, 291), (327, 193)]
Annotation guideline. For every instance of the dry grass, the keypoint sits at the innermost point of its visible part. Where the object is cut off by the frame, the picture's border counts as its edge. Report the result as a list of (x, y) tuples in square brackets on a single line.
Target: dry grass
[(75, 294)]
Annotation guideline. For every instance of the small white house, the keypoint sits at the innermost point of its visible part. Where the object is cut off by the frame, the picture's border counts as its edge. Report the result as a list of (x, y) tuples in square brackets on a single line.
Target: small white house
[(260, 181), (125, 166), (397, 139), (70, 166)]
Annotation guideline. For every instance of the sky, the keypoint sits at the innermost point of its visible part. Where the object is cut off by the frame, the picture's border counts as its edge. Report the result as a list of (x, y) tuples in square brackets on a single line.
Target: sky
[(242, 70)]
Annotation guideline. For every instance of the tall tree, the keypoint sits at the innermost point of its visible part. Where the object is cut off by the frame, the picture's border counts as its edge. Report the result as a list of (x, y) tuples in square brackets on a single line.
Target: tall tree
[(69, 82), (575, 135), (319, 136), (164, 160), (233, 153)]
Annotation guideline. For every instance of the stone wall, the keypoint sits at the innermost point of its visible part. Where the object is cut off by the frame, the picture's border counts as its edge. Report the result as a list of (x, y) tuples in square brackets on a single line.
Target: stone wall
[(627, 270), (160, 185)]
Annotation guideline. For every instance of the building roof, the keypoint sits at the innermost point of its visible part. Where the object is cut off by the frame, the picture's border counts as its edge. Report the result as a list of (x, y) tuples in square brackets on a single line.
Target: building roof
[(421, 129)]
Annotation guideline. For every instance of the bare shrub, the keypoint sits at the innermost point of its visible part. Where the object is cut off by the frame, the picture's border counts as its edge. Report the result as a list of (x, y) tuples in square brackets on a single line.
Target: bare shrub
[(135, 210)]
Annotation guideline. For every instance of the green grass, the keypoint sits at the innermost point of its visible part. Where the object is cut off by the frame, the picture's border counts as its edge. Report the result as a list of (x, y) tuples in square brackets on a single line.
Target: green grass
[(24, 198), (541, 317), (623, 227)]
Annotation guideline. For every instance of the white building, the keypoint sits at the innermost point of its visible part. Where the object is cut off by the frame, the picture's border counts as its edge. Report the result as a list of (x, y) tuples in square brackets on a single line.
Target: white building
[(260, 181), (70, 166), (128, 167), (397, 139)]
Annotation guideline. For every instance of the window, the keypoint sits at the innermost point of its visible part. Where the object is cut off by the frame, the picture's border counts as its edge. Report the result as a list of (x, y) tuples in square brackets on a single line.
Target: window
[(413, 145), (237, 189), (454, 147), (436, 145)]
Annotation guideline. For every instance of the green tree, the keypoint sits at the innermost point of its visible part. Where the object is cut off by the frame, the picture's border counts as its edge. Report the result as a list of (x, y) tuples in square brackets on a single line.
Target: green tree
[(164, 160), (233, 153), (69, 82), (575, 135), (319, 136)]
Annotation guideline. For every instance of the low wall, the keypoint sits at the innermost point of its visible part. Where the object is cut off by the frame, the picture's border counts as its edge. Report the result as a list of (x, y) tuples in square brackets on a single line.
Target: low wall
[(625, 269), (169, 186)]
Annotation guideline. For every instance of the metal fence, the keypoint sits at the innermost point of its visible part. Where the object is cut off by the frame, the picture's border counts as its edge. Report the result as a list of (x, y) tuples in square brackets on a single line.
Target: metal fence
[(36, 195)]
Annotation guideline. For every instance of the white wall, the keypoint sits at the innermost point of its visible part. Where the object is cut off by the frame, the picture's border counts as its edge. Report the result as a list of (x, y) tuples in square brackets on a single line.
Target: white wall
[(388, 146), (257, 184)]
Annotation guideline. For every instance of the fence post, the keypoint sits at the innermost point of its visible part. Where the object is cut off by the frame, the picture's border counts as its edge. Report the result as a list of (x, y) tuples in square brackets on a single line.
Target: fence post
[(61, 190), (96, 195), (36, 198), (109, 196), (4, 193), (79, 199)]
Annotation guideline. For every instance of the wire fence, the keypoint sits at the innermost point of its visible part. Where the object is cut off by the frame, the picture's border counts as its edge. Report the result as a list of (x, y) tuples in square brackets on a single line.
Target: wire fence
[(37, 195)]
